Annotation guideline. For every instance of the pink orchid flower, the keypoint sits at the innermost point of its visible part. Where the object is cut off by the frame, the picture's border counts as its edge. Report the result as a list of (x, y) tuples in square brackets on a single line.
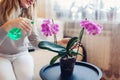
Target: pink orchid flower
[(90, 27), (49, 28), (55, 28), (46, 28)]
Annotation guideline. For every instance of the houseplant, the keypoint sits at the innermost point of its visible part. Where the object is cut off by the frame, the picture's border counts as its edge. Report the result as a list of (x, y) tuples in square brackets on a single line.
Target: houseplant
[(66, 54)]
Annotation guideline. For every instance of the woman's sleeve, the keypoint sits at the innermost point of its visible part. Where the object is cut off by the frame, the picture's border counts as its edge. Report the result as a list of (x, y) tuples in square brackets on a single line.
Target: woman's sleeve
[(3, 35), (34, 39)]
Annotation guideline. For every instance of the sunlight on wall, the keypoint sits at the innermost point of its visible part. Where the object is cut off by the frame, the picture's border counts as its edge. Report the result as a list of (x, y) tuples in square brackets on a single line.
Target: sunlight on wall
[(41, 5)]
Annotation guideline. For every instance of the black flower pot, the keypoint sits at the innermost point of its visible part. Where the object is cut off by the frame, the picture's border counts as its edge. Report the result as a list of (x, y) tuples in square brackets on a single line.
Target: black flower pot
[(67, 66)]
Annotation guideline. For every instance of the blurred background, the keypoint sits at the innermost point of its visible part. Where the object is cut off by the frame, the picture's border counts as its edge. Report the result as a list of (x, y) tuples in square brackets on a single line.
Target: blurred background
[(101, 10)]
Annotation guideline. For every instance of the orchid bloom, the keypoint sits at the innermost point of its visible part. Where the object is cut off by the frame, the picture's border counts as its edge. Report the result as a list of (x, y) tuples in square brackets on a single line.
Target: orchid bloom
[(90, 27), (49, 28), (55, 28), (46, 28)]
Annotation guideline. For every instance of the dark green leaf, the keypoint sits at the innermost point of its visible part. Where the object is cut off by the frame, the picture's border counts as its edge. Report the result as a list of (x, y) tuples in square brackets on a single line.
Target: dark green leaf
[(81, 34), (71, 43), (52, 47), (76, 53), (54, 59), (80, 54)]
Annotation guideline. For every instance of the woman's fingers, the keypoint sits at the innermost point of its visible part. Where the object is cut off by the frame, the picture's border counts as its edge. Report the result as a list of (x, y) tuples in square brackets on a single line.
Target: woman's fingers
[(25, 25), (22, 27)]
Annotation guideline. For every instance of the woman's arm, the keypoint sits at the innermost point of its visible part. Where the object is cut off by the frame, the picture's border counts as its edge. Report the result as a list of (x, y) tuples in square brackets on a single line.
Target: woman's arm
[(3, 35), (34, 38), (19, 22)]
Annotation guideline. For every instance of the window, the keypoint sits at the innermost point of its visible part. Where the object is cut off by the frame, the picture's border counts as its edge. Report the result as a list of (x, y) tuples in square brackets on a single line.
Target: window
[(105, 10)]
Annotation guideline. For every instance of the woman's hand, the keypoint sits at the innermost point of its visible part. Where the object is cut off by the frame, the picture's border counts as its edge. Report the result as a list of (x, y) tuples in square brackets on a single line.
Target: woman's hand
[(23, 23)]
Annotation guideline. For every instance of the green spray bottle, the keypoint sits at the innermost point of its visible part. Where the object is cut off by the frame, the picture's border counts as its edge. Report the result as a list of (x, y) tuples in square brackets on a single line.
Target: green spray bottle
[(16, 33)]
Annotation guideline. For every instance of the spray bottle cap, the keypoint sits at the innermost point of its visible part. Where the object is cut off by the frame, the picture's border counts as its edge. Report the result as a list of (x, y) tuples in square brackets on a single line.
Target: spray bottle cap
[(32, 22)]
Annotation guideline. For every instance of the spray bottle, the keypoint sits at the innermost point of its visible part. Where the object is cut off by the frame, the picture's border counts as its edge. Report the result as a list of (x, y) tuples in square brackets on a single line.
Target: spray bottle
[(16, 33)]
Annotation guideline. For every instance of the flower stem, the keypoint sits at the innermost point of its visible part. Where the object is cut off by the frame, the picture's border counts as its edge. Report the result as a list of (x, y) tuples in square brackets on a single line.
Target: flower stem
[(80, 38), (78, 44), (81, 35), (55, 38)]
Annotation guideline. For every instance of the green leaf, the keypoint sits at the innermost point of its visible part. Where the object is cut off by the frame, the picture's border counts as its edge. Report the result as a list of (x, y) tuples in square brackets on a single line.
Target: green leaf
[(52, 47), (71, 43), (81, 35), (80, 54), (76, 53), (54, 59)]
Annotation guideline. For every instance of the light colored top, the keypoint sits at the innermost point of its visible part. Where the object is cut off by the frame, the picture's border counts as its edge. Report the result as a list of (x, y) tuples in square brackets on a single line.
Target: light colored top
[(8, 46)]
